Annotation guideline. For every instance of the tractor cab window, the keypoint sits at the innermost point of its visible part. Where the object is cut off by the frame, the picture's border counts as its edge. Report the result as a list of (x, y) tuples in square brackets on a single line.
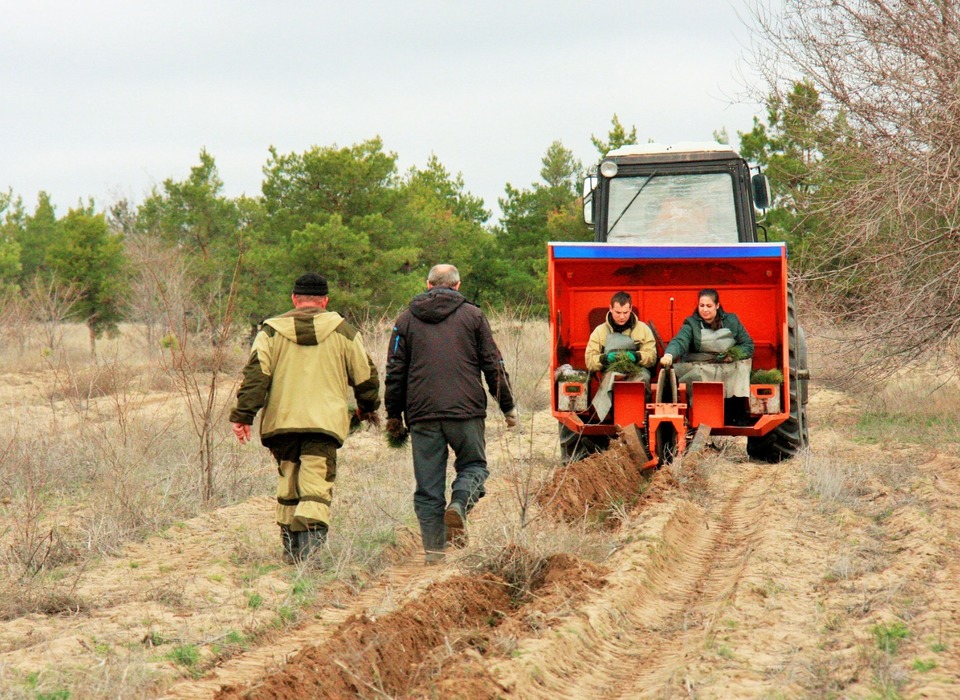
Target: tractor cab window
[(672, 209)]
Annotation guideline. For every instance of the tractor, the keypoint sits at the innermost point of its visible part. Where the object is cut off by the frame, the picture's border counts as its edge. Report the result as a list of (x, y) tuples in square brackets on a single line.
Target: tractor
[(669, 221)]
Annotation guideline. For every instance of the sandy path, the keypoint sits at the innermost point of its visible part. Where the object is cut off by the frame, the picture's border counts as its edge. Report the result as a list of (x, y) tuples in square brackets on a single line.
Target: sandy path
[(661, 605)]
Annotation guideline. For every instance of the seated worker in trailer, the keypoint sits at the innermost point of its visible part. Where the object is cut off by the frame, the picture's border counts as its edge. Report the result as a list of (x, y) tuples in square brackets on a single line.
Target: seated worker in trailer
[(713, 346), (622, 332)]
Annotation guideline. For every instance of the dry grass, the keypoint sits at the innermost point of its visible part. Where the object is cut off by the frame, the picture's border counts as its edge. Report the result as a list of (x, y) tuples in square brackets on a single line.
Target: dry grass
[(372, 512), (920, 407), (524, 342), (27, 347), (106, 461)]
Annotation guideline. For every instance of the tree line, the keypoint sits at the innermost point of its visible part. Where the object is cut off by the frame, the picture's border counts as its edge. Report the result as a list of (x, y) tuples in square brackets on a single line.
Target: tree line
[(190, 255), (346, 211)]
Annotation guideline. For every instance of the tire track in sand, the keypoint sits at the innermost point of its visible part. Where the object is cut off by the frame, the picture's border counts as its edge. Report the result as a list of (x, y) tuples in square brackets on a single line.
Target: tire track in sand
[(660, 608)]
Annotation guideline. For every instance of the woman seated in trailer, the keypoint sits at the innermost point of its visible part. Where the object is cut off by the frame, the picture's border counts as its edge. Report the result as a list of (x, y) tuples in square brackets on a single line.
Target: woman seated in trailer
[(713, 346)]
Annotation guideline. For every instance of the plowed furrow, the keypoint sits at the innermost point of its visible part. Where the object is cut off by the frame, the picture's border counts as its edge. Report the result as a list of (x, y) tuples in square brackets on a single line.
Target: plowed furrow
[(402, 582)]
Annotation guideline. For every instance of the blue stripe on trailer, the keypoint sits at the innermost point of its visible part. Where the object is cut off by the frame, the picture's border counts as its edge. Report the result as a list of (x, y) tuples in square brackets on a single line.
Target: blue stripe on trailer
[(605, 251)]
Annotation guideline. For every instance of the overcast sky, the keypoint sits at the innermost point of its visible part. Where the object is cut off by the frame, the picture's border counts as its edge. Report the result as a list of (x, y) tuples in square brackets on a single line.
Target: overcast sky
[(108, 98)]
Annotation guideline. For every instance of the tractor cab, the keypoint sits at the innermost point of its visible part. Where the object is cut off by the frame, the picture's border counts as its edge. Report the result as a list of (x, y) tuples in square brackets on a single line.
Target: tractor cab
[(689, 194)]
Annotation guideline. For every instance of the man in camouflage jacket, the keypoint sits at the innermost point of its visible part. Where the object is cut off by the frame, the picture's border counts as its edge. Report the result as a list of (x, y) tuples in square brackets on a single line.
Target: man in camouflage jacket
[(301, 368)]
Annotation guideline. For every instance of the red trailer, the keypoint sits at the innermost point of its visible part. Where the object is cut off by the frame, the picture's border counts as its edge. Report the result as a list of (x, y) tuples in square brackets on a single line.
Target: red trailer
[(708, 241)]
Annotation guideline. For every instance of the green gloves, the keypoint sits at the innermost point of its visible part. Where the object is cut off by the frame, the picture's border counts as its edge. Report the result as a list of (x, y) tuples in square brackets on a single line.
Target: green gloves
[(611, 356)]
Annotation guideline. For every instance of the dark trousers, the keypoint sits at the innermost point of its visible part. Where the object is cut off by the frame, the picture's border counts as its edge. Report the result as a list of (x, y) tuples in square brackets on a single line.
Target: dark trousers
[(431, 441)]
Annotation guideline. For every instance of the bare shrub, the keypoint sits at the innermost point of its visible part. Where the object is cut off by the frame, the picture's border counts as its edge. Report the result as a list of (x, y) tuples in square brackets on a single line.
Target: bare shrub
[(519, 554), (375, 329), (158, 379), (522, 570), (886, 73), (197, 350), (540, 538), (52, 303), (148, 306), (34, 543), (80, 385), (43, 597), (14, 323), (524, 342)]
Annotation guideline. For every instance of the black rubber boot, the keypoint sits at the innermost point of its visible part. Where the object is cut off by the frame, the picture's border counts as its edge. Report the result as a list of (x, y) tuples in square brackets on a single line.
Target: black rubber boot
[(455, 519), (291, 544), (433, 534), (312, 540)]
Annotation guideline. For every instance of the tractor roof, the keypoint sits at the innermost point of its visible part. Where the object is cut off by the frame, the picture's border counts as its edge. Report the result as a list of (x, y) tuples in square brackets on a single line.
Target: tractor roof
[(683, 151)]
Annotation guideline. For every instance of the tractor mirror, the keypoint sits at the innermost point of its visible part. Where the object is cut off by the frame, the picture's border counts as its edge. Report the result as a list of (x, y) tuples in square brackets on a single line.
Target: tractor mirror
[(761, 191), (589, 185)]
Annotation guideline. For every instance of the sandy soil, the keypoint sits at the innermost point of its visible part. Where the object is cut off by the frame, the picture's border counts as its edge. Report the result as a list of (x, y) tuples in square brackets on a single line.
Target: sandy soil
[(728, 579)]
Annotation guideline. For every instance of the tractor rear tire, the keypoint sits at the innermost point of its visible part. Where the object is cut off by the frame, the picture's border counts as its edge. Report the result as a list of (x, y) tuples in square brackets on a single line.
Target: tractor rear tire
[(791, 436), (574, 446)]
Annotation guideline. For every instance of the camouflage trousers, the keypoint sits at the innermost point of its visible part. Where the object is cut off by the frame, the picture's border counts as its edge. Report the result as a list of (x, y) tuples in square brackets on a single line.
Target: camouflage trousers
[(307, 468)]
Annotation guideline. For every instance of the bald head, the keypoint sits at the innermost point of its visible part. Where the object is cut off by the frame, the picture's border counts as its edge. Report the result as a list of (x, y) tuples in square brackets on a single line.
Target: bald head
[(443, 275)]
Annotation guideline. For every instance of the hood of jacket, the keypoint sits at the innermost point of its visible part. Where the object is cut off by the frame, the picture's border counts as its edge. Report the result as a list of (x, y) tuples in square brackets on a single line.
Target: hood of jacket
[(305, 326), (436, 304)]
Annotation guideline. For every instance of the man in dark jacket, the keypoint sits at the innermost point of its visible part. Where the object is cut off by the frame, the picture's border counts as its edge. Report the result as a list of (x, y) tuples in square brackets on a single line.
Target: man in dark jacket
[(439, 347)]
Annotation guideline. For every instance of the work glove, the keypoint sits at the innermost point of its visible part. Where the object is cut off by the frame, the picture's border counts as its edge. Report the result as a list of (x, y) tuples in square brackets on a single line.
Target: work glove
[(396, 432), (667, 360), (612, 356), (512, 417), (371, 417)]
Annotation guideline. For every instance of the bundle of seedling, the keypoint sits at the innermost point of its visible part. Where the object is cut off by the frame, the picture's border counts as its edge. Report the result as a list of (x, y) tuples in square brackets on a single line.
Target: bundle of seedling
[(623, 362), (733, 354), (766, 376)]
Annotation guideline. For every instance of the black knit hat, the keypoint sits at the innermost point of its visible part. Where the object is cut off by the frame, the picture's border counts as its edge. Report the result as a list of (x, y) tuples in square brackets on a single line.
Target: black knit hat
[(311, 285)]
